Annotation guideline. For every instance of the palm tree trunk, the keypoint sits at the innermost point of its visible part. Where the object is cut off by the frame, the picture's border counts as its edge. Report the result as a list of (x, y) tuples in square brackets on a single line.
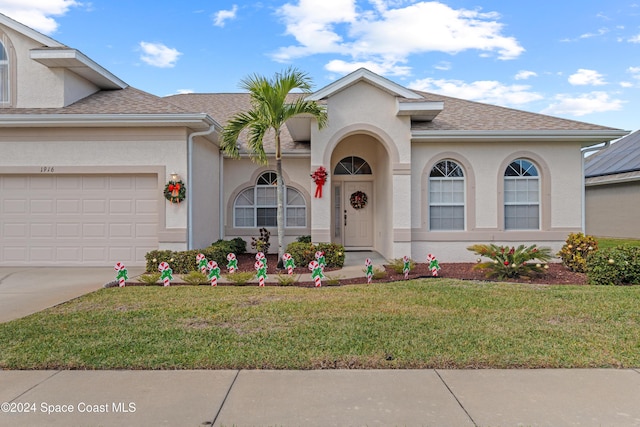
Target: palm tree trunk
[(280, 199)]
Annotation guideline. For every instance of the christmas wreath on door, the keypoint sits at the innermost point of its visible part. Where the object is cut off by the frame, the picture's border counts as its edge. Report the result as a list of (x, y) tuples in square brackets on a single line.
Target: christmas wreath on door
[(358, 200)]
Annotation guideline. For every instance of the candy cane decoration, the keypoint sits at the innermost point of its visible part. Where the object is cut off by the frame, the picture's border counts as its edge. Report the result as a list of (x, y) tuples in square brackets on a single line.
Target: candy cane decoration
[(232, 266), (214, 272), (368, 265), (433, 265), (261, 272), (316, 273), (167, 273), (122, 274), (202, 263), (406, 267), (288, 263), (320, 259)]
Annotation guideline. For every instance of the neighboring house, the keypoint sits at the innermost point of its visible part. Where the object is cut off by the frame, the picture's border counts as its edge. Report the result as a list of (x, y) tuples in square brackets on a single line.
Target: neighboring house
[(85, 160), (612, 178)]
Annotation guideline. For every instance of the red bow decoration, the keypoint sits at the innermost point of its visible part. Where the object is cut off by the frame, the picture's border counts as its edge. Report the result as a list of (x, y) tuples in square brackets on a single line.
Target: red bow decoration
[(319, 177)]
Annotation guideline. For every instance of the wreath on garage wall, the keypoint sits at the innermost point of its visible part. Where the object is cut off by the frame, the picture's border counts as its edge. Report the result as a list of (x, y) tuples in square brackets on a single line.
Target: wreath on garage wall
[(358, 200), (175, 191)]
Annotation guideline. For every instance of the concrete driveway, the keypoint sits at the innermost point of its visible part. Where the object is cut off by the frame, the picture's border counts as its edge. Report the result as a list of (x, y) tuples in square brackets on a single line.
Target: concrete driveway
[(27, 290)]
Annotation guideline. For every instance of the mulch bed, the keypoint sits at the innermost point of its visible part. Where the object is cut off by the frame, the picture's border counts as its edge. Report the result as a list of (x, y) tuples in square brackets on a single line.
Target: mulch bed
[(557, 274)]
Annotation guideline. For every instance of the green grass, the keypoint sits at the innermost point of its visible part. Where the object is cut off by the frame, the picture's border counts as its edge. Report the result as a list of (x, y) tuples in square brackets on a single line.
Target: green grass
[(608, 242), (431, 323)]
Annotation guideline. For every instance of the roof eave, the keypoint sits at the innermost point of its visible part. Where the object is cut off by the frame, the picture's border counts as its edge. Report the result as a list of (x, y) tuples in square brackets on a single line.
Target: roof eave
[(199, 121), (585, 137), (76, 61)]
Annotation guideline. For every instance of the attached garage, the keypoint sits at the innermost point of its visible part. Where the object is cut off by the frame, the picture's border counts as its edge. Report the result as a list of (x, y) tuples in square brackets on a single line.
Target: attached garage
[(78, 219)]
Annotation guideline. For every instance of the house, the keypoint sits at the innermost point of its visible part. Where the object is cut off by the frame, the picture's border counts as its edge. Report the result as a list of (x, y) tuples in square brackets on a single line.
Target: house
[(612, 178), (86, 161)]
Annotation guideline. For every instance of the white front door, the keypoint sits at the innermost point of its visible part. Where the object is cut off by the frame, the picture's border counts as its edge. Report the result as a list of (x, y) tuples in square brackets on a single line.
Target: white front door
[(358, 222)]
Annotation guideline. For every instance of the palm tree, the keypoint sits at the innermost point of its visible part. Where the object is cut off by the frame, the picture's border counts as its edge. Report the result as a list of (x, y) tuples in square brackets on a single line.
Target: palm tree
[(269, 112)]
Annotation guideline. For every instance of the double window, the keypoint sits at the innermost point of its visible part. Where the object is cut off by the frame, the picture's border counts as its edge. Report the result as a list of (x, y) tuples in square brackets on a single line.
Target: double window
[(257, 206), (5, 94), (446, 196), (521, 196)]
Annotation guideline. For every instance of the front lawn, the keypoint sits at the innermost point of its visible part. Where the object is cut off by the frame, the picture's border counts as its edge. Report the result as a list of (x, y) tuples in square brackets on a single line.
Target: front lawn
[(429, 323)]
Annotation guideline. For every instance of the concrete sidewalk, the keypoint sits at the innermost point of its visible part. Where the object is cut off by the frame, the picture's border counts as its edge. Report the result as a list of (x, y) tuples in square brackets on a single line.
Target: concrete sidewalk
[(595, 397)]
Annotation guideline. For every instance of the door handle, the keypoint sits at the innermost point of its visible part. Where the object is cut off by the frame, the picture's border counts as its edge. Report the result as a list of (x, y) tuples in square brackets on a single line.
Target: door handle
[(345, 218)]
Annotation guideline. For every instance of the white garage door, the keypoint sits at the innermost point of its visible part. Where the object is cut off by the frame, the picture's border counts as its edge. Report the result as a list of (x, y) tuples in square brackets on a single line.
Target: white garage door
[(66, 220)]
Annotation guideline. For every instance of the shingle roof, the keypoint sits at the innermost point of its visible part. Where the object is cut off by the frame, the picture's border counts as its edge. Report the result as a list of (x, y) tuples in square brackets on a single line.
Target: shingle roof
[(123, 101), (621, 157), (461, 115), (223, 106)]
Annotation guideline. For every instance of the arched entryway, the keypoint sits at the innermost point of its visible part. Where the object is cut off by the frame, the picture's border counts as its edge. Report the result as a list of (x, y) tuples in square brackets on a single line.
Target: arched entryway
[(360, 177)]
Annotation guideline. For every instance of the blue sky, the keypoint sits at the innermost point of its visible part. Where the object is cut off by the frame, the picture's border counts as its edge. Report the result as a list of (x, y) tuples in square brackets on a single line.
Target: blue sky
[(578, 59)]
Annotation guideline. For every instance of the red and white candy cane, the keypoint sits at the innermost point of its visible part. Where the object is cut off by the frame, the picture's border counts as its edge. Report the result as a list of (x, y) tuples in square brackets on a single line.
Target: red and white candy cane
[(405, 268), (369, 269), (316, 273), (119, 267), (233, 264)]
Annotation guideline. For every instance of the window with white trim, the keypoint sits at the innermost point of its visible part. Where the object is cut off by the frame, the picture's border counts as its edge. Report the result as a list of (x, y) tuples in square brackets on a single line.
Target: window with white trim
[(257, 206), (446, 196), (521, 196), (5, 95)]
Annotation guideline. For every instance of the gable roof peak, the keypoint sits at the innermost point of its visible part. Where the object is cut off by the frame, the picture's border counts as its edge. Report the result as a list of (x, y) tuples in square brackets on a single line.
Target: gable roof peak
[(363, 74), (29, 32)]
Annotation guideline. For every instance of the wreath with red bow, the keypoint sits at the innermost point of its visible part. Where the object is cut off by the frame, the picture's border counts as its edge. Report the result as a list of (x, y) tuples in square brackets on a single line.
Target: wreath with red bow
[(175, 191), (358, 200)]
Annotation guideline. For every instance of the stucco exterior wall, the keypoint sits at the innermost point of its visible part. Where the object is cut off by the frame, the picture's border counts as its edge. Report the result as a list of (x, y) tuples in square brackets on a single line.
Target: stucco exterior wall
[(560, 169), (612, 210), (133, 149), (39, 86), (240, 174), (205, 193)]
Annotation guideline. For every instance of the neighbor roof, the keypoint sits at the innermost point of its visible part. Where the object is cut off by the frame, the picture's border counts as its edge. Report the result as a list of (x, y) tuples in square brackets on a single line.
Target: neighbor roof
[(622, 156)]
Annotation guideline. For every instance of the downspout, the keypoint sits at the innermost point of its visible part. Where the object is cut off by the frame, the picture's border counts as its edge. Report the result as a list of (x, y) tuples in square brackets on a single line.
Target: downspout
[(221, 205), (584, 188), (212, 128)]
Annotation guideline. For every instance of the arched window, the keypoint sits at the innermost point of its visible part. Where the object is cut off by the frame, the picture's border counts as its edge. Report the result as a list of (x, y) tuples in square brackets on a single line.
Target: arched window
[(5, 94), (257, 206), (352, 165), (446, 196), (521, 196)]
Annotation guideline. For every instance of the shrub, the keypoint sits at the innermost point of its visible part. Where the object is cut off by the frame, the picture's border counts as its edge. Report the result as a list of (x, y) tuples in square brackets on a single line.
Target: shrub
[(511, 262), (397, 264), (332, 280), (287, 279), (303, 253), (614, 266), (261, 244), (195, 278), (575, 251), (240, 277), (304, 239), (182, 262), (150, 278)]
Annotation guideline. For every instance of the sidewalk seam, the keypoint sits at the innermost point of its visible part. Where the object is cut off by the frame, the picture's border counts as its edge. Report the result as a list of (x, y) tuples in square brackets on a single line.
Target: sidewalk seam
[(456, 398), (35, 385), (215, 418)]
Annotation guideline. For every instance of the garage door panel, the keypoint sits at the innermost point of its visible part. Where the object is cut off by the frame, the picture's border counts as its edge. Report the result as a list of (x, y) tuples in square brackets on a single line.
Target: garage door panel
[(78, 220)]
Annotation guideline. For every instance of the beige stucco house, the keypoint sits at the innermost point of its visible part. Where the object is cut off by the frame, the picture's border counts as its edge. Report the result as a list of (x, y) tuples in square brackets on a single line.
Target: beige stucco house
[(86, 158), (613, 189)]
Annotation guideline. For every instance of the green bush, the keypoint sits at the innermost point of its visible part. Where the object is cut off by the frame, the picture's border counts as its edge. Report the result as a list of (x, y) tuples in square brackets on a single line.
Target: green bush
[(303, 253), (195, 278), (182, 262), (511, 262), (150, 278), (240, 277), (614, 266), (261, 244), (575, 251), (397, 264), (304, 239)]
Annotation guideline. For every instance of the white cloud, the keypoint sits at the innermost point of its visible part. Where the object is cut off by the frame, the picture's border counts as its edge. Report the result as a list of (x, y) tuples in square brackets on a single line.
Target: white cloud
[(635, 39), (587, 77), (581, 105), (443, 66), (391, 32), (220, 17), (489, 91), (37, 14), (525, 74), (159, 55), (342, 67)]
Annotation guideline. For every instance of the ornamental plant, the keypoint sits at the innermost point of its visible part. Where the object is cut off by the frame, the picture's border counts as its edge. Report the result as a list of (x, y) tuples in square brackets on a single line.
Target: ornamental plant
[(511, 262), (303, 253), (614, 266), (575, 251)]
